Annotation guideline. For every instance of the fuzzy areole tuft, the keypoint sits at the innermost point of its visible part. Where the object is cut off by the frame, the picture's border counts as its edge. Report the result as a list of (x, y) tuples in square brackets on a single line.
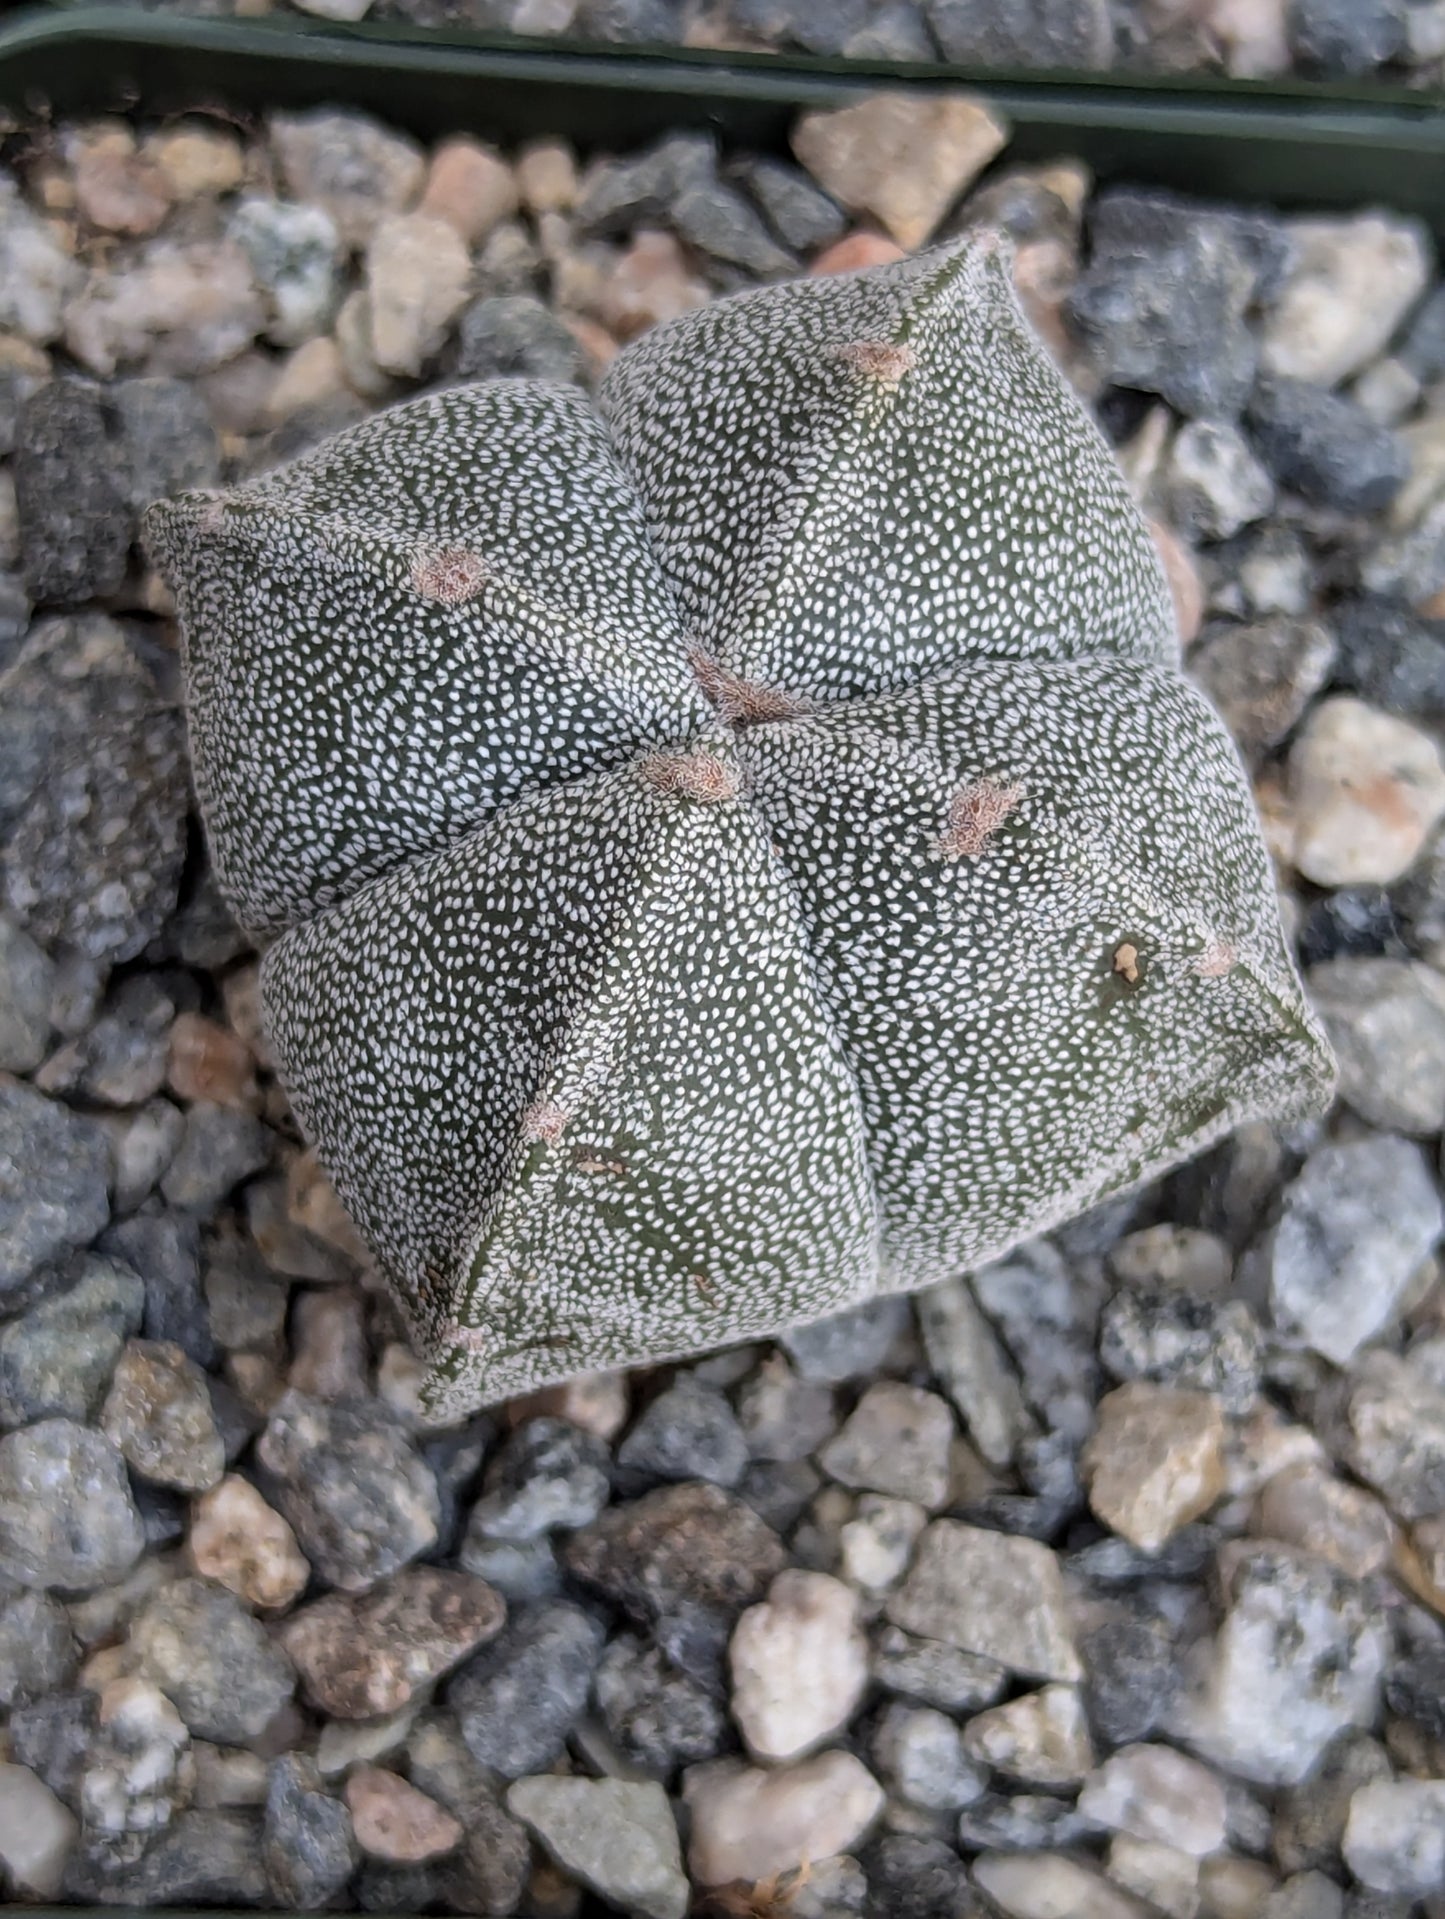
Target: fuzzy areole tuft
[(733, 850)]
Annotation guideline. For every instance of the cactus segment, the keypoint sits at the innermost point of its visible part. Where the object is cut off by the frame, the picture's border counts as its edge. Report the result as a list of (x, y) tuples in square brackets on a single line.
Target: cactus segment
[(856, 481), (442, 607)]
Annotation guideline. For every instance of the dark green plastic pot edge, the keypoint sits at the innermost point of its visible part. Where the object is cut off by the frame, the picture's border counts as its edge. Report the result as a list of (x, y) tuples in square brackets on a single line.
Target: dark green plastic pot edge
[(1294, 144)]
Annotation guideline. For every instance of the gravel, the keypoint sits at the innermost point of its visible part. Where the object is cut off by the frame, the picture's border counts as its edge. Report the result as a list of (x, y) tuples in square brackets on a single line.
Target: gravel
[(1111, 1573), (360, 1657), (53, 1175), (93, 799), (57, 1359), (67, 1519), (518, 1699), (226, 1677), (1325, 448), (361, 1499), (688, 1432), (307, 1842)]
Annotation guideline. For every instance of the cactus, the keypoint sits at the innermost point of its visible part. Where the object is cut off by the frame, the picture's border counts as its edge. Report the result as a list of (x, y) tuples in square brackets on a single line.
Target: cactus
[(734, 849)]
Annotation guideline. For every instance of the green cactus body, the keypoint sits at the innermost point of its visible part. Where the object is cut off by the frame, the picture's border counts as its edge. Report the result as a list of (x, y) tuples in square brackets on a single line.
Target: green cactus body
[(735, 850)]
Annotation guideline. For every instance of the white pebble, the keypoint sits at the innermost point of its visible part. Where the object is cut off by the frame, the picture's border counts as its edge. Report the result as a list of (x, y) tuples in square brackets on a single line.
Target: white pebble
[(799, 1665)]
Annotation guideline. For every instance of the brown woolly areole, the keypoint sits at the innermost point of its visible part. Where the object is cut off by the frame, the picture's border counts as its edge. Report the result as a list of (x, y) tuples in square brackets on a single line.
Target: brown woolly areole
[(975, 813), (695, 775), (741, 702), (881, 361), (450, 575)]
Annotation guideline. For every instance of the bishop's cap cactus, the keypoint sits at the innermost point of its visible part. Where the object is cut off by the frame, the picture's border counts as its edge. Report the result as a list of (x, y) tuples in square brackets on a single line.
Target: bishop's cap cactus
[(735, 849)]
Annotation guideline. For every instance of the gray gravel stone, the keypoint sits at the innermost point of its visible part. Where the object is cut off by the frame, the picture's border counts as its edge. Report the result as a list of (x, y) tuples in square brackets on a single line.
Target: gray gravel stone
[(910, 1876), (158, 1411), (1392, 1433), (308, 1846), (79, 987), (1415, 1689), (1044, 1311), (513, 335), (27, 981), (16, 383), (15, 611), (619, 195), (93, 792), (688, 1432), (37, 1648), (1162, 304), (1214, 483), (549, 1475), (520, 1569), (918, 1753), (1325, 447), (75, 522), (780, 1491), (848, 1345), (219, 1149), (1310, 1818), (360, 1497), (224, 1674), (719, 222), (899, 1440), (166, 442), (1179, 1339), (804, 217), (204, 1857), (1347, 37), (245, 1305), (295, 254), (1130, 1675), (933, 1672), (825, 30), (656, 1716), (355, 169), (165, 1249), (139, 1773), (1263, 676), (121, 1059), (53, 1737), (1021, 1822), (54, 1169), (973, 1368), (67, 1519), (57, 1358), (1023, 33), (783, 1418), (518, 1699), (1386, 1021), (617, 1836), (988, 1594), (1390, 656), (1298, 1660), (1355, 1225)]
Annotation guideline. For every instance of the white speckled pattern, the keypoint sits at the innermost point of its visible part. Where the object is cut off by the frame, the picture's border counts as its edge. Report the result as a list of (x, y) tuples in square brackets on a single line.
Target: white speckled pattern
[(737, 854)]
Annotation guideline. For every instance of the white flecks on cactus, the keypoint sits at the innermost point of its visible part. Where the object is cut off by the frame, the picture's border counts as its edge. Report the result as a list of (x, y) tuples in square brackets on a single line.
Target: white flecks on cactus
[(736, 851)]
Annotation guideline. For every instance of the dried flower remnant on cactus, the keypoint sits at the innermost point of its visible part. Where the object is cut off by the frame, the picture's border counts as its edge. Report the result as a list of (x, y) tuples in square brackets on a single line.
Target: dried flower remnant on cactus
[(735, 849)]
